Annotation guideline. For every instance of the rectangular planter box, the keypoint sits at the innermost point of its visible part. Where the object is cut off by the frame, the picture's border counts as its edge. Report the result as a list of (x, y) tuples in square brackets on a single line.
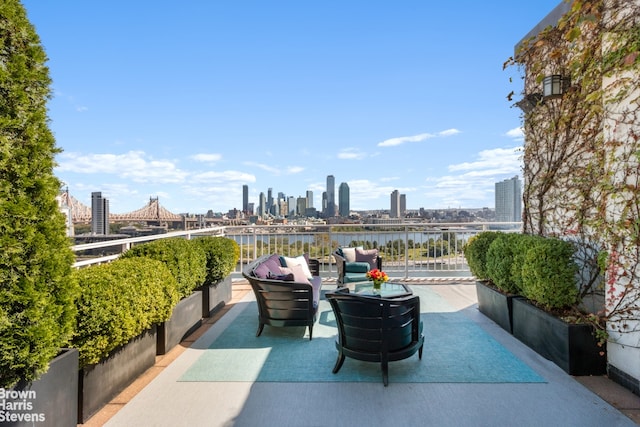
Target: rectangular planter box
[(185, 319), (101, 382), (51, 400), (573, 347), (495, 305), (215, 296)]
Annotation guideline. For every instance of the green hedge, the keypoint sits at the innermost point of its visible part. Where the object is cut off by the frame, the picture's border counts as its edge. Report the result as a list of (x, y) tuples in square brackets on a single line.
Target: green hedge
[(500, 262), (549, 274), (118, 302), (186, 261), (222, 256), (521, 246), (475, 251)]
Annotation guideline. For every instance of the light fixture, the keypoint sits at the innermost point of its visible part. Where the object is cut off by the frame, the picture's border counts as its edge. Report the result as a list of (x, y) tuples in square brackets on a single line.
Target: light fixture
[(554, 85)]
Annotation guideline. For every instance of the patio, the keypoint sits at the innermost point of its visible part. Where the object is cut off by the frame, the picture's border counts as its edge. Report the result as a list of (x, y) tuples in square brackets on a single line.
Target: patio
[(159, 398)]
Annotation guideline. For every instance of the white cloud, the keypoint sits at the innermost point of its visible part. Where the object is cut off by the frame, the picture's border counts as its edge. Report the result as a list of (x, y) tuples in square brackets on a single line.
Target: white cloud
[(416, 138), (224, 176), (288, 170), (515, 133), (402, 139), (475, 182), (134, 165), (498, 160), (294, 169), (208, 158), (351, 154), (449, 132)]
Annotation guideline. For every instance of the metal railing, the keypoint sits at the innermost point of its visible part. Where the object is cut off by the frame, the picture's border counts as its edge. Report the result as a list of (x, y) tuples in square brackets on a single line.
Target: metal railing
[(408, 250)]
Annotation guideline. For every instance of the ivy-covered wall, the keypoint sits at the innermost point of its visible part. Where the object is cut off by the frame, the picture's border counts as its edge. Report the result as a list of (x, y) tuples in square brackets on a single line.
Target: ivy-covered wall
[(581, 157)]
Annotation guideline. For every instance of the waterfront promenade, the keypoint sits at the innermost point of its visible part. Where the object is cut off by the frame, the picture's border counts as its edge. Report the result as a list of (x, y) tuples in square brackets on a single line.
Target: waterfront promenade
[(158, 398)]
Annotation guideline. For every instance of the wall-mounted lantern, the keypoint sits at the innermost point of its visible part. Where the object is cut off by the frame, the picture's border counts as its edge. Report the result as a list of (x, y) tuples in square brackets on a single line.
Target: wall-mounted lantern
[(554, 85)]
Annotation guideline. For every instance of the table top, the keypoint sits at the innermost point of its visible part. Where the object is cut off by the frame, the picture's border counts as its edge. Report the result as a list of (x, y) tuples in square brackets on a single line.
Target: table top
[(387, 289)]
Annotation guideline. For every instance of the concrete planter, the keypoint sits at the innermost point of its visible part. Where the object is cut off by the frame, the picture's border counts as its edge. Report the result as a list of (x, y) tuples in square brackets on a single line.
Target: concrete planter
[(215, 296), (185, 319), (495, 305), (101, 382), (51, 400), (573, 347)]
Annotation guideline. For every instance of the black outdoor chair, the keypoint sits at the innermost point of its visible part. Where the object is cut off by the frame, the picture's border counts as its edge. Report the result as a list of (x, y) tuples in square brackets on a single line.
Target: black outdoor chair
[(349, 272), (375, 329), (284, 303)]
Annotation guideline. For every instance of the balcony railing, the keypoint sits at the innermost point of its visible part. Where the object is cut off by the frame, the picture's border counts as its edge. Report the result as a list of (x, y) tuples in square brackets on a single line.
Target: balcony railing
[(409, 250)]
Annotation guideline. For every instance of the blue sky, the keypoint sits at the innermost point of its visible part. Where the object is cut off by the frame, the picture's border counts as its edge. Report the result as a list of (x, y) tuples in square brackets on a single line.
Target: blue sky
[(187, 101)]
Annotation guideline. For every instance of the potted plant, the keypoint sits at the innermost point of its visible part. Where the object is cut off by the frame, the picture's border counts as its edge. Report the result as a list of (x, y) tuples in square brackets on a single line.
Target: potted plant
[(492, 301), (549, 320), (187, 262), (222, 256), (118, 310)]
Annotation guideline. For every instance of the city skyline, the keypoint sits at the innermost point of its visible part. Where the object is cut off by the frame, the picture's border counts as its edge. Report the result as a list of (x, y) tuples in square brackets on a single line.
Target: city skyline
[(381, 96)]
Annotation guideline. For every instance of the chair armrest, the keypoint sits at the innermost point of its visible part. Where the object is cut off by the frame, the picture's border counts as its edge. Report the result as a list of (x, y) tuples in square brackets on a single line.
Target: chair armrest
[(314, 267), (340, 265)]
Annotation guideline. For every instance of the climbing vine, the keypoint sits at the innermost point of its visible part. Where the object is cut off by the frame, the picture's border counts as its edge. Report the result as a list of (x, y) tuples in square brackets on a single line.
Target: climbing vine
[(581, 158)]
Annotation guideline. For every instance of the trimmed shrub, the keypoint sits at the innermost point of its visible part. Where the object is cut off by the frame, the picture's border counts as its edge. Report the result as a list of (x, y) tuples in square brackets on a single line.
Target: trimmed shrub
[(186, 261), (549, 274), (222, 255), (499, 262), (37, 293), (119, 301), (475, 251), (522, 245)]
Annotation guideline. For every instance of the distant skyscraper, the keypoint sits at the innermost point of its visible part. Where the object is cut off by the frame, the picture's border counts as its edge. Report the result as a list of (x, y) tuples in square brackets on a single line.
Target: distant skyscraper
[(99, 214), (394, 212), (343, 200), (270, 201), (301, 205), (309, 199), (403, 205), (291, 207), (245, 199), (324, 203), (508, 197), (262, 205), (331, 196)]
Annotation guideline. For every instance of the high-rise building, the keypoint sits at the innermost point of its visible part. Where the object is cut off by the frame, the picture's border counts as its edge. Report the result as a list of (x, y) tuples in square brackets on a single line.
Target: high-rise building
[(331, 196), (262, 205), (403, 205), (291, 206), (99, 213), (394, 212), (245, 199), (508, 195), (324, 203), (270, 201), (309, 199), (343, 200), (301, 205)]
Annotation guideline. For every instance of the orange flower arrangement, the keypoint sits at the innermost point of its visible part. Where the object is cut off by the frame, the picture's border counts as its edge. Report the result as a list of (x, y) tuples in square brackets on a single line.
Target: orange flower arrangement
[(377, 276)]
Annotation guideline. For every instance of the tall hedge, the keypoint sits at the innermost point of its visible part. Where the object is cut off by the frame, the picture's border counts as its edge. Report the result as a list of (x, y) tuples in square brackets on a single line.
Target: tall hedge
[(222, 255), (118, 302), (475, 251), (499, 262), (549, 274), (37, 293), (186, 261)]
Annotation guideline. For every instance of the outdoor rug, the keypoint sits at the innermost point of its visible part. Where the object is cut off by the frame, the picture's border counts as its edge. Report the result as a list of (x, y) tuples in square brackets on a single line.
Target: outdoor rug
[(456, 350)]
